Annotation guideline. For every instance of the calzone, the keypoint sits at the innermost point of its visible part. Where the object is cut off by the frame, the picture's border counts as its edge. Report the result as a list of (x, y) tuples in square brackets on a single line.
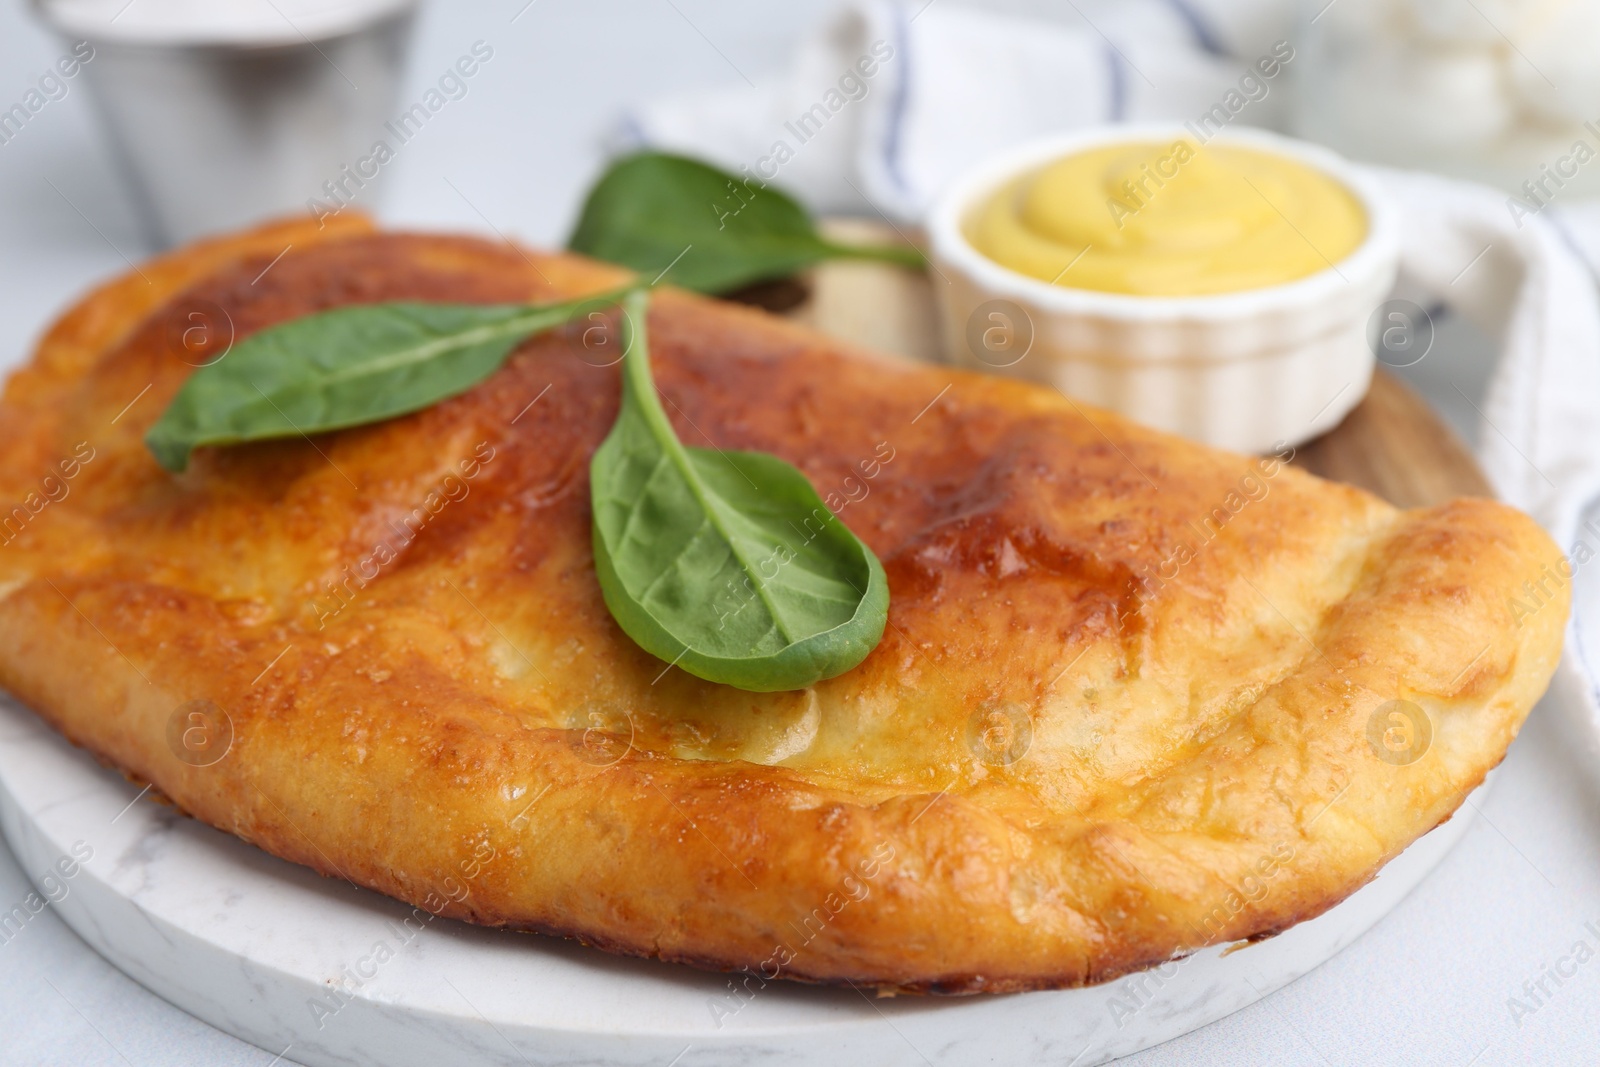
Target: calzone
[(1135, 696)]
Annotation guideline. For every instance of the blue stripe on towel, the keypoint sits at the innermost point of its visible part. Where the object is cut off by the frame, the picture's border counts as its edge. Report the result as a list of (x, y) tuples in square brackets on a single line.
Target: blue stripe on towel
[(632, 136), (1118, 74), (1580, 645), (1198, 27), (897, 102), (1563, 229)]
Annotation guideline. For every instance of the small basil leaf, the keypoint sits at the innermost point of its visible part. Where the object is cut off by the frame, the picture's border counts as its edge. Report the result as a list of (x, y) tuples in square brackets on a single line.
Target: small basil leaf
[(727, 564), (715, 231), (346, 367)]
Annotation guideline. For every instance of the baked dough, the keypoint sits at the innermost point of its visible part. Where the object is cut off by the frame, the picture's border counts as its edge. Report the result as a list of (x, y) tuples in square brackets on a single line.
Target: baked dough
[(1135, 695)]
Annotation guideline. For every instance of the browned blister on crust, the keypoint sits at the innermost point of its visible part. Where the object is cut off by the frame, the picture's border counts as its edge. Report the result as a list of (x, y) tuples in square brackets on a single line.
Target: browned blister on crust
[(1135, 695)]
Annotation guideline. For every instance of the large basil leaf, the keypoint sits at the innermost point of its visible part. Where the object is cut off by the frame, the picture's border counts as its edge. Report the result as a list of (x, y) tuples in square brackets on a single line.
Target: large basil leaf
[(715, 231), (727, 564), (346, 367)]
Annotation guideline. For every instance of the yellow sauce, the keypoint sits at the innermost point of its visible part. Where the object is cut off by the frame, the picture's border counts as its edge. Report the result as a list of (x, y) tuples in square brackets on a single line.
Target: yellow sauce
[(1176, 219)]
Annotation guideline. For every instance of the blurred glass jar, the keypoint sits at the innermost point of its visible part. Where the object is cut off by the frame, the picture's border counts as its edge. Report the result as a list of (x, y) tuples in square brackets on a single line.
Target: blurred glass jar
[(1500, 91)]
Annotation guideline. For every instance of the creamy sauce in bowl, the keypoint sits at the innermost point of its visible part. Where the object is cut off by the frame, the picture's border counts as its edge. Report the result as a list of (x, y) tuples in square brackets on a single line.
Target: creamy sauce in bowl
[(1170, 219)]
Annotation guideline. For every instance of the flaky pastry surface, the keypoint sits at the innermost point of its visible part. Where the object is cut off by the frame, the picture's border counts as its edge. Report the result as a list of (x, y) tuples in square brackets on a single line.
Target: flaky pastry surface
[(1123, 708)]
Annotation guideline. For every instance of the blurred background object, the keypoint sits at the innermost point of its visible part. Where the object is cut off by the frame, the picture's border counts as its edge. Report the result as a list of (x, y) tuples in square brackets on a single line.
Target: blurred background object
[(1499, 91), (223, 111)]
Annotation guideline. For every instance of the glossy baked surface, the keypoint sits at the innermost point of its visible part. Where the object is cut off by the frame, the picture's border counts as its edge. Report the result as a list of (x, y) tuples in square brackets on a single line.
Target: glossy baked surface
[(1134, 696)]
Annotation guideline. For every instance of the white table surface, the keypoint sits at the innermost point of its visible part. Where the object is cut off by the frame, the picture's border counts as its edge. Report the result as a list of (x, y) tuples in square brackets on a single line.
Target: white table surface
[(1430, 985)]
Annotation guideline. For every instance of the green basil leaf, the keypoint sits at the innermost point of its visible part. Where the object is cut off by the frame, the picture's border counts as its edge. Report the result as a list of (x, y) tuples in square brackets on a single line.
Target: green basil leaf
[(715, 231), (727, 564), (346, 367)]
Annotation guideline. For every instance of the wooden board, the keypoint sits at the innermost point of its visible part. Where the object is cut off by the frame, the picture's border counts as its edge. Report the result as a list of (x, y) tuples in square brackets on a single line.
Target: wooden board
[(1392, 443), (1395, 445)]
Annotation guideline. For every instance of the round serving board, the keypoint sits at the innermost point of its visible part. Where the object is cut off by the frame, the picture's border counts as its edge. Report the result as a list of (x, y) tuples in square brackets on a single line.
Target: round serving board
[(329, 974), (334, 975)]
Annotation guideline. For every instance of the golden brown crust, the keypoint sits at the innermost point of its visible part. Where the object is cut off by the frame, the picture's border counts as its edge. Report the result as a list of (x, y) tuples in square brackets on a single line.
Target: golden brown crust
[(1188, 646)]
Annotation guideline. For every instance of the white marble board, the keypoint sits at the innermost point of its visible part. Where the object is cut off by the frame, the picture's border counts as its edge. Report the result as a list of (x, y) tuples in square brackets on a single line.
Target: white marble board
[(329, 974)]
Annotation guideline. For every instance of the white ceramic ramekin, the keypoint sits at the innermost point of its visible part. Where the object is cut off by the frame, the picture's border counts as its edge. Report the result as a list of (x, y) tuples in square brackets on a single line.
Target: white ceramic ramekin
[(1247, 371)]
